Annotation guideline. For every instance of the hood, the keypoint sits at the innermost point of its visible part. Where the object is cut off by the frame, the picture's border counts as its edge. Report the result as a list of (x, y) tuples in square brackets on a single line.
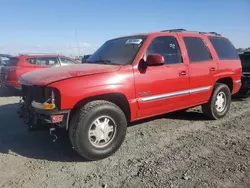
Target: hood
[(54, 74)]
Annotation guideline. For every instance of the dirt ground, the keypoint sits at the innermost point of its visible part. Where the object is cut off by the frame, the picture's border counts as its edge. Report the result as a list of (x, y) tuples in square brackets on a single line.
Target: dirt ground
[(181, 149)]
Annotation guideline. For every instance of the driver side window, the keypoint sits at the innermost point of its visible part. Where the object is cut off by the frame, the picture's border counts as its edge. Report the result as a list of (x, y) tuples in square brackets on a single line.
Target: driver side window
[(168, 47)]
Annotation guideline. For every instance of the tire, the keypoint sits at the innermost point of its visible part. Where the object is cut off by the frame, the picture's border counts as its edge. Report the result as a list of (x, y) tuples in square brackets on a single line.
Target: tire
[(210, 109), (84, 121)]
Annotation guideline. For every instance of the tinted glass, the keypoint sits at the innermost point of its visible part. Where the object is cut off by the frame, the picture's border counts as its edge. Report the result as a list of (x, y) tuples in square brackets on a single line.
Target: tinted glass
[(167, 47), (224, 48), (65, 61), (197, 49), (121, 51), (12, 61), (32, 60), (4, 60), (47, 61), (245, 59)]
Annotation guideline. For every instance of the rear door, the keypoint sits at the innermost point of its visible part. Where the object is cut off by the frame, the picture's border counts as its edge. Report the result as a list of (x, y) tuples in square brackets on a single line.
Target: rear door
[(203, 67)]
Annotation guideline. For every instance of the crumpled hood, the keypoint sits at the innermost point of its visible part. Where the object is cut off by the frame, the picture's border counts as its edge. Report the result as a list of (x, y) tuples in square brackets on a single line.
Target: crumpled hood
[(54, 74)]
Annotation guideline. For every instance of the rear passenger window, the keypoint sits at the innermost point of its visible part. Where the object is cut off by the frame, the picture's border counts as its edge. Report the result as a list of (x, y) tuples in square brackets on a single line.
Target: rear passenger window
[(168, 47), (197, 49), (47, 61), (224, 48)]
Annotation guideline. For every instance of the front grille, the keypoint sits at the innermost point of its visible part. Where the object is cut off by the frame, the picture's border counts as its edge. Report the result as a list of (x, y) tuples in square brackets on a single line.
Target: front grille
[(35, 93), (39, 94)]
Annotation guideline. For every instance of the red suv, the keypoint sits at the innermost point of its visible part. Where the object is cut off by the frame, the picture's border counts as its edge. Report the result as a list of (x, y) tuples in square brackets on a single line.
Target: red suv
[(132, 78), (21, 64)]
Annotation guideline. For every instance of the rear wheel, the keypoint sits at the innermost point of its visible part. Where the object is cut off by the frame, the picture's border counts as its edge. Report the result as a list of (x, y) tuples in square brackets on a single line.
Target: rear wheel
[(98, 130), (219, 103)]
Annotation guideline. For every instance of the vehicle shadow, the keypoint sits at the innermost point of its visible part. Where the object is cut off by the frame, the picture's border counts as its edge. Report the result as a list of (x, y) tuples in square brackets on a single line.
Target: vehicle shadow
[(15, 139), (190, 115), (7, 92), (240, 97)]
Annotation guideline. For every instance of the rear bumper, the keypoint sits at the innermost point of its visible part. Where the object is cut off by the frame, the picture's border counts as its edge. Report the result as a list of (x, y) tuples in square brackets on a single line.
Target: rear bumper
[(44, 119)]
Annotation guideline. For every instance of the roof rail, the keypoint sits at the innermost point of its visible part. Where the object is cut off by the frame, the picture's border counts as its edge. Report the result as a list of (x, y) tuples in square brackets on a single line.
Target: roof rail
[(174, 30), (184, 30)]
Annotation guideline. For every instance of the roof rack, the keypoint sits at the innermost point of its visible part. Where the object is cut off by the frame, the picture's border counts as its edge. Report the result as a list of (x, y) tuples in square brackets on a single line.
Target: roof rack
[(184, 30), (174, 30)]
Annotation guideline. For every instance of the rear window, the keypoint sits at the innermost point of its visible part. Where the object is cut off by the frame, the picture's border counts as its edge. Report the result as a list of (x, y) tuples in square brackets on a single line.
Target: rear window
[(12, 61), (224, 48)]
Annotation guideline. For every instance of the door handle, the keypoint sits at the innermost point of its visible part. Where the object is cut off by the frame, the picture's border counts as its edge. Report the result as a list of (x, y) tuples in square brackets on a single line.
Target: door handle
[(183, 73), (212, 69)]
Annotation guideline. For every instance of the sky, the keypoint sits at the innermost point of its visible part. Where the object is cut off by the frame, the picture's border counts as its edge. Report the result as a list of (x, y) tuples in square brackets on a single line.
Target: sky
[(78, 27)]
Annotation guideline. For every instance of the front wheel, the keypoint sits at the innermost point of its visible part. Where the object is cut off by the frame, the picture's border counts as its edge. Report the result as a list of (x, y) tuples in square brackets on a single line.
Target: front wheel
[(219, 103), (98, 130)]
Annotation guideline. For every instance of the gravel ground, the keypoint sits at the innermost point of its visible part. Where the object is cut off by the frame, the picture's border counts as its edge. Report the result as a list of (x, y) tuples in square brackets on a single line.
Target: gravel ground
[(181, 149)]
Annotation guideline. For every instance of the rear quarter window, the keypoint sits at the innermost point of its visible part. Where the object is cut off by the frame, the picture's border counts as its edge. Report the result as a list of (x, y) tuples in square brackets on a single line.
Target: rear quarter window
[(224, 48), (12, 61)]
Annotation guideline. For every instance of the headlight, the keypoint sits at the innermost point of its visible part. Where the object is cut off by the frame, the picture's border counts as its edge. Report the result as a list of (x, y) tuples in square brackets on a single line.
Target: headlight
[(49, 101), (43, 106)]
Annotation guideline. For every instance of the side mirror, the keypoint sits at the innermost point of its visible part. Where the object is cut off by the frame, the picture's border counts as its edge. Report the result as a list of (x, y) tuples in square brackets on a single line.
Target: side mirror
[(155, 59)]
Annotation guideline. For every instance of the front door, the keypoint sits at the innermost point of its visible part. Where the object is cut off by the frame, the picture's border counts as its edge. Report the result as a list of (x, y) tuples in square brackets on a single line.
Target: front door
[(164, 88)]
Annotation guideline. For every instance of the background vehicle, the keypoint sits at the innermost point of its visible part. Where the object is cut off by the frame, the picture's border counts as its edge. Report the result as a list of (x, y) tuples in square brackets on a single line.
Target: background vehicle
[(245, 61), (4, 58), (85, 57), (132, 78), (21, 64)]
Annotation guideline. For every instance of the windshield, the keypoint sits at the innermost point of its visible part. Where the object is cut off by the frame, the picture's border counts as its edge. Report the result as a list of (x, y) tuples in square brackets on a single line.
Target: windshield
[(121, 51), (245, 59)]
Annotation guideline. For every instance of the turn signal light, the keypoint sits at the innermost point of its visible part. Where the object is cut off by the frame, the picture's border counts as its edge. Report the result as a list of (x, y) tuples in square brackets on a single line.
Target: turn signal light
[(48, 106)]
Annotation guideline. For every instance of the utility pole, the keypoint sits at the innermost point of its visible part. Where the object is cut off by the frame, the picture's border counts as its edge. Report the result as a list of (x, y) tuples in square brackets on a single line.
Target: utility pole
[(77, 43)]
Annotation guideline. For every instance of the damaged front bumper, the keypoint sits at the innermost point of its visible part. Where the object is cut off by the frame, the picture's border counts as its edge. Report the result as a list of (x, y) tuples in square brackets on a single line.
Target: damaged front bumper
[(40, 119)]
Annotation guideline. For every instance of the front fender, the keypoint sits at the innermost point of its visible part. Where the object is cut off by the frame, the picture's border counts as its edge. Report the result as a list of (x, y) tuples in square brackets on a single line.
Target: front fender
[(77, 89)]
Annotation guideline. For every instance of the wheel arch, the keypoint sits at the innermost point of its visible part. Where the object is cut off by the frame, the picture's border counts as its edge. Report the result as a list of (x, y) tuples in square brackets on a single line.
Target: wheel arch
[(227, 81), (117, 98)]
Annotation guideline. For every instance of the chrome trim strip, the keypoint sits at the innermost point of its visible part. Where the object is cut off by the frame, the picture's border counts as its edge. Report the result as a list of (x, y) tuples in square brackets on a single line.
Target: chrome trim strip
[(200, 89), (238, 81), (175, 94), (163, 96)]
